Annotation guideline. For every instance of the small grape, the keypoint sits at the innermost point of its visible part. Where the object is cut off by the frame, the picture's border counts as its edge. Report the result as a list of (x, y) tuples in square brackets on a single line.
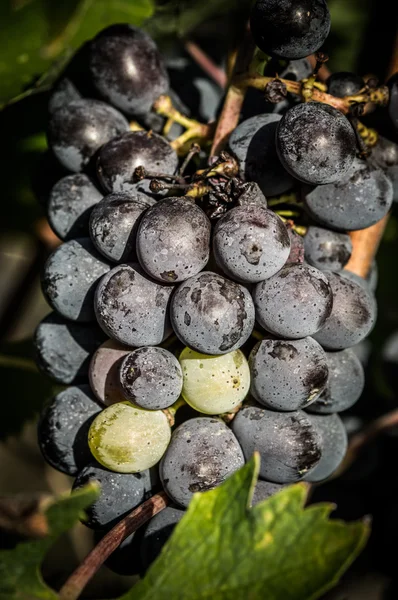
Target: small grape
[(119, 158), (315, 143), (63, 348), (296, 255), (385, 155), (127, 439), (157, 532), (62, 94), (352, 316), (104, 372), (333, 445), (202, 453), (63, 428), (344, 83), (127, 68), (327, 250), (287, 374), (290, 28), (70, 203), (173, 240), (358, 200), (250, 243), (120, 493), (251, 195), (78, 129), (131, 308), (70, 276), (289, 444), (114, 223), (214, 384), (264, 490), (151, 378), (345, 384), (253, 144), (212, 314), (294, 303)]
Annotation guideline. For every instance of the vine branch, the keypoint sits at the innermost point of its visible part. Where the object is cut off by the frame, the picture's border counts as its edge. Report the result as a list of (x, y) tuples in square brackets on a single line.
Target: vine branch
[(75, 584)]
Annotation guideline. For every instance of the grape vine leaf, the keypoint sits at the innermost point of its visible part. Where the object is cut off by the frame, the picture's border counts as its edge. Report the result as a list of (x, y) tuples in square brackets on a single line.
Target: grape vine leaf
[(20, 577), (223, 549), (37, 37)]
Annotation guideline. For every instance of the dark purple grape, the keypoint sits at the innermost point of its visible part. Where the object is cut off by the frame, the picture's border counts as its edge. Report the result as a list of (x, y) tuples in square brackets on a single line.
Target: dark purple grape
[(69, 206), (173, 240), (77, 130), (352, 316), (344, 83), (119, 158), (127, 68), (316, 143), (294, 303), (290, 28), (131, 308), (63, 93), (114, 223), (264, 490), (333, 446), (157, 532), (327, 250), (385, 155)]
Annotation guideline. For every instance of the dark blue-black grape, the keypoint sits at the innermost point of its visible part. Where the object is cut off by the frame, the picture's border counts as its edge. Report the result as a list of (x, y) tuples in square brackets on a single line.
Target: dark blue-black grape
[(288, 443), (296, 255), (344, 83), (69, 205), (132, 308), (104, 373), (287, 374), (359, 199), (212, 314), (120, 493), (315, 143), (352, 317), (127, 68), (253, 144), (151, 378), (114, 223), (202, 453), (250, 243), (63, 348), (77, 130), (393, 99), (63, 428), (251, 195), (157, 532), (71, 274), (173, 240), (264, 490), (385, 155), (327, 250), (294, 303), (345, 383), (62, 94), (290, 28), (119, 158), (333, 445)]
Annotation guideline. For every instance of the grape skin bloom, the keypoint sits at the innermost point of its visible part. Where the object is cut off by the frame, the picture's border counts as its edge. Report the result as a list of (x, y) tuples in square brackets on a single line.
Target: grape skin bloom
[(127, 439), (214, 384)]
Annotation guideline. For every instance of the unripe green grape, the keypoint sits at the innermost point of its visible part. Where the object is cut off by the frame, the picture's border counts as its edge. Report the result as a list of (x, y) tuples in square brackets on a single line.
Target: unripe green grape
[(127, 439), (214, 384)]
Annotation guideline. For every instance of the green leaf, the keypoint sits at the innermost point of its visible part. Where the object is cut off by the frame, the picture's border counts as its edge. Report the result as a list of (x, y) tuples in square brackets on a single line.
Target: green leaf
[(20, 577), (182, 16), (223, 549), (37, 37)]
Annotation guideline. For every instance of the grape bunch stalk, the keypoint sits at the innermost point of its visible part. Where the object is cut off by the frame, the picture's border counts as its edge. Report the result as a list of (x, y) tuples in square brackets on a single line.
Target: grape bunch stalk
[(201, 308)]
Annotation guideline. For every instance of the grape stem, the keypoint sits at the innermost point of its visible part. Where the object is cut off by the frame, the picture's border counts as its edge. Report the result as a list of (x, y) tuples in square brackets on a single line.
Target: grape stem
[(75, 584), (206, 64)]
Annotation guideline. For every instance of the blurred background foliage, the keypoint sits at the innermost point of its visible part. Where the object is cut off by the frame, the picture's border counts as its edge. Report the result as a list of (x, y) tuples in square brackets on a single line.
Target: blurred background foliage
[(37, 39)]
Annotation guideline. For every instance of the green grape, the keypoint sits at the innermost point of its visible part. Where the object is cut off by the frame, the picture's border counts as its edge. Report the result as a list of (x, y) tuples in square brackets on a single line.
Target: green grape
[(128, 439), (214, 384)]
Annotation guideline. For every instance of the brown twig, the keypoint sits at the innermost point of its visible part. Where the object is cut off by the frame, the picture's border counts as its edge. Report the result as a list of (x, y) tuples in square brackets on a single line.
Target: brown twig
[(364, 247), (324, 72), (74, 585), (230, 113), (217, 74)]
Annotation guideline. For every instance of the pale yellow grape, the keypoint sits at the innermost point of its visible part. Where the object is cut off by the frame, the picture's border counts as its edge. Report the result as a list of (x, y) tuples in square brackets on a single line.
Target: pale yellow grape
[(214, 384), (128, 439)]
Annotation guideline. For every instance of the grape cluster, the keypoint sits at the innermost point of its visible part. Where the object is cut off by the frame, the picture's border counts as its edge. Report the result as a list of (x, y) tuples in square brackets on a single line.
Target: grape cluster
[(195, 328)]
